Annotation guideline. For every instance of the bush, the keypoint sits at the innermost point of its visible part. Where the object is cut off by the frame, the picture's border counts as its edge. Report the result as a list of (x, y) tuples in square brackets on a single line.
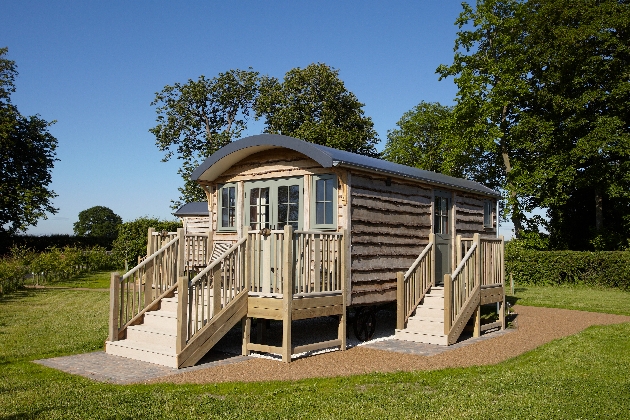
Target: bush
[(62, 264), (131, 242), (45, 242), (603, 268), (12, 274)]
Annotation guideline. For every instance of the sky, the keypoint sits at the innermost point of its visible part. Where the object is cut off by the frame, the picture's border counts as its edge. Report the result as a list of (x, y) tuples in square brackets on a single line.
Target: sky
[(94, 68)]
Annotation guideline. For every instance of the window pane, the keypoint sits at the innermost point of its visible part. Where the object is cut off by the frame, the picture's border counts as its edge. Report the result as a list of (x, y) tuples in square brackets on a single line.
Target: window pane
[(253, 195), (225, 217), (294, 194), (264, 195), (282, 212), (329, 189), (294, 213), (232, 217), (436, 224), (329, 212), (319, 190), (283, 194), (319, 213)]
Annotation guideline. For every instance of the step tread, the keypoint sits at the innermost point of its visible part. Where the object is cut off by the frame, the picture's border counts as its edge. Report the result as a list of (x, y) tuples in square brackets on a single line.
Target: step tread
[(145, 347), (152, 329)]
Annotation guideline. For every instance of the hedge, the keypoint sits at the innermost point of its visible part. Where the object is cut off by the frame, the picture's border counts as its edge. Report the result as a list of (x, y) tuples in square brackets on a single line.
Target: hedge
[(602, 268), (45, 242)]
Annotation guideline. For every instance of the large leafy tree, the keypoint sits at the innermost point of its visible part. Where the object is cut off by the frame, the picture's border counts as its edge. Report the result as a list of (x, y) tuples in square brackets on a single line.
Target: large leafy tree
[(97, 221), (490, 71), (199, 117), (579, 53), (313, 104), (27, 156), (422, 137)]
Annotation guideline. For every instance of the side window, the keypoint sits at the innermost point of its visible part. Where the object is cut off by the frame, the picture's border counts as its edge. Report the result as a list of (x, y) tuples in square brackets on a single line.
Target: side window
[(324, 202), (487, 214), (227, 207)]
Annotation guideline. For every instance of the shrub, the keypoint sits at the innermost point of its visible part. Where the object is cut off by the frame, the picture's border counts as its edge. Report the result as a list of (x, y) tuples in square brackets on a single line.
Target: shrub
[(45, 242), (12, 274), (131, 242), (603, 268)]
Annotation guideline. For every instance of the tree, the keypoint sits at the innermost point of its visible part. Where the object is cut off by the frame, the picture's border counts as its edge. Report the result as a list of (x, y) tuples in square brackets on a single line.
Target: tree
[(313, 104), (97, 221), (490, 71), (197, 118), (422, 136), (27, 156), (579, 56)]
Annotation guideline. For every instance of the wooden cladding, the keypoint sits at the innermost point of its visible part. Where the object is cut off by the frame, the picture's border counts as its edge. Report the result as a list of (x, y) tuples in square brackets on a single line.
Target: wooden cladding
[(390, 225)]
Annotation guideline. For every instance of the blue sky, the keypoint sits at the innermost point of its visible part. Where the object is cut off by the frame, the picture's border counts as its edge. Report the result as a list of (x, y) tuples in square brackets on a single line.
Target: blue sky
[(95, 67)]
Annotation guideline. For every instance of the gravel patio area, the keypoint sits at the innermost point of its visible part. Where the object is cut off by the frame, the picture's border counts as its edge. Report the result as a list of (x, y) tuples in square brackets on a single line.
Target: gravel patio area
[(535, 326)]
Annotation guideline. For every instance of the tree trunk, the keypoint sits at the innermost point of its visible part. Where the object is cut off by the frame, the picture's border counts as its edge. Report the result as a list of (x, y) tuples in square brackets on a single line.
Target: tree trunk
[(599, 211)]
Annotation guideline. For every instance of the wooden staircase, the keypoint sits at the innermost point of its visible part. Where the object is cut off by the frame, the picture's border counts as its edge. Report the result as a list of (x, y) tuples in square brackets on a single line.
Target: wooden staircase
[(427, 324), (154, 340)]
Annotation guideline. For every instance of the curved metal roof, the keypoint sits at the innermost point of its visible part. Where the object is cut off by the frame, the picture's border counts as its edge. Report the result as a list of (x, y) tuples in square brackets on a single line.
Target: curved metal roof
[(327, 157)]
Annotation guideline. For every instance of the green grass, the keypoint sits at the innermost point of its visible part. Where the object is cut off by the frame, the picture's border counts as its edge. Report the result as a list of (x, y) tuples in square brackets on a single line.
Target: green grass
[(582, 376), (97, 280), (581, 298)]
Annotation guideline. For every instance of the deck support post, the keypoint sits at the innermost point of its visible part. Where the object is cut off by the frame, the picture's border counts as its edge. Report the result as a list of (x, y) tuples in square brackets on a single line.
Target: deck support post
[(182, 313), (287, 293), (400, 300), (114, 306), (477, 322)]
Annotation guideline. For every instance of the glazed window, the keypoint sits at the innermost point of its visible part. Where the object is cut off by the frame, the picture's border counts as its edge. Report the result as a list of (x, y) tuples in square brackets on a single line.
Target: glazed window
[(227, 206), (324, 202), (487, 214)]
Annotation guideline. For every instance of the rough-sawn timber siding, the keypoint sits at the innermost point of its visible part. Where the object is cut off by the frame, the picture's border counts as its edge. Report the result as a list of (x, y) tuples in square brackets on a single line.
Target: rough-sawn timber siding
[(390, 227), (469, 215)]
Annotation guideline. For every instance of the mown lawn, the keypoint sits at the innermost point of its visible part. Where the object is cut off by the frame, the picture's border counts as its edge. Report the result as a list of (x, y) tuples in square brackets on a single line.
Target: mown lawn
[(581, 298), (582, 376)]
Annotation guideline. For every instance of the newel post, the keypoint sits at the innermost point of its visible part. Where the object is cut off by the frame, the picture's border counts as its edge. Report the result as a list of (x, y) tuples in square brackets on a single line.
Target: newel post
[(287, 293), (478, 260), (114, 306), (433, 280), (448, 303), (182, 313), (400, 300), (181, 251)]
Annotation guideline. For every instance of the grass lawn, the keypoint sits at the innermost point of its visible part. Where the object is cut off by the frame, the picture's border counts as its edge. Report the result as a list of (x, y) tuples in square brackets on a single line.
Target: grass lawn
[(582, 376), (581, 298)]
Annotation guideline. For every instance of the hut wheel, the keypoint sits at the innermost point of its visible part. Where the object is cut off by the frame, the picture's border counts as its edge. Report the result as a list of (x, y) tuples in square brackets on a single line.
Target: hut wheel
[(364, 323)]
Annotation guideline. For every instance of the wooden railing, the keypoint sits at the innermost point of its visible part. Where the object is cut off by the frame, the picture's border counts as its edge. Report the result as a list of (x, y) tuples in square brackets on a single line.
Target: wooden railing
[(316, 262), (413, 285), (317, 266), (477, 280), (214, 288), (197, 247), (142, 287)]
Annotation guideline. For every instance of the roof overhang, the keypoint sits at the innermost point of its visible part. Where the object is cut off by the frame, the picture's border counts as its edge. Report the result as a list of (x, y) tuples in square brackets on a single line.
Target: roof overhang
[(236, 151)]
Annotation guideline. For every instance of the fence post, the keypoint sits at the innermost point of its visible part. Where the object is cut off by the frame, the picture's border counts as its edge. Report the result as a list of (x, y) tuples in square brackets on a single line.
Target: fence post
[(287, 293), (448, 303), (182, 313), (114, 306), (181, 250), (400, 300)]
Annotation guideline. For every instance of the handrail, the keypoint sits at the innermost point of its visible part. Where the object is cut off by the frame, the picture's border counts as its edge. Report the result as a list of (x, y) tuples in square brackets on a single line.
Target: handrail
[(205, 271), (149, 258), (463, 261), (412, 286), (417, 261)]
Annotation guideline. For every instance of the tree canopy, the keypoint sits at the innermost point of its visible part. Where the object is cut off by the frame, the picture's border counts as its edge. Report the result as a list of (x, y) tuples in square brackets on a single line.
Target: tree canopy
[(199, 117), (97, 221), (313, 104), (27, 156), (541, 113)]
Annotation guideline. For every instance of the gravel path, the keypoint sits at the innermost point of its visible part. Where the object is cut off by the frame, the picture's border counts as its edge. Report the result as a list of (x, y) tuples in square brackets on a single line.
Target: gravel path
[(536, 326)]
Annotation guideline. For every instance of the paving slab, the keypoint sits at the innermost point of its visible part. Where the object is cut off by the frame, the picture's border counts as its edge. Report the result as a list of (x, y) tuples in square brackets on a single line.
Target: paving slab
[(104, 367)]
